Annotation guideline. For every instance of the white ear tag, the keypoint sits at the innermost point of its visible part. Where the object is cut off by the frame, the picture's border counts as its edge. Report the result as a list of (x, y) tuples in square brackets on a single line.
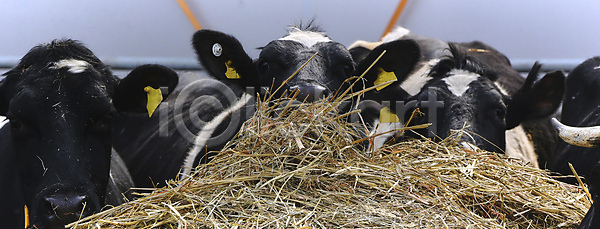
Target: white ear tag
[(217, 49)]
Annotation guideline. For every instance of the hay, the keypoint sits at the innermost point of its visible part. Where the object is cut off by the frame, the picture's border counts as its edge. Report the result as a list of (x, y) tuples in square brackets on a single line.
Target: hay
[(297, 167)]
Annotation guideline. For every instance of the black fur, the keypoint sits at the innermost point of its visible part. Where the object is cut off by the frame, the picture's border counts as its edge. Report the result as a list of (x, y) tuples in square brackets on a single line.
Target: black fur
[(56, 149)]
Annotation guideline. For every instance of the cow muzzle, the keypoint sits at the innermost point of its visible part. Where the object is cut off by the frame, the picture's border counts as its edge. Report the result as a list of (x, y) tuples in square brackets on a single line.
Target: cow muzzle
[(309, 92), (65, 208), (578, 136), (61, 208)]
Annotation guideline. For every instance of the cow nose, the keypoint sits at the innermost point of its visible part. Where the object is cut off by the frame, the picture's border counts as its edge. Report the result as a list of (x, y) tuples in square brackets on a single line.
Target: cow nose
[(310, 92), (65, 208)]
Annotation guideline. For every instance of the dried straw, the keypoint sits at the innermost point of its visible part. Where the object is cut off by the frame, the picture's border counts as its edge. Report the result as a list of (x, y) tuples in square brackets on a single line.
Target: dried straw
[(294, 166)]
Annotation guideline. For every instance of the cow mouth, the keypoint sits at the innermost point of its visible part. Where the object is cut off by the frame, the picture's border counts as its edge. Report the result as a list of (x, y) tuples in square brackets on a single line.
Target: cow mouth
[(55, 208)]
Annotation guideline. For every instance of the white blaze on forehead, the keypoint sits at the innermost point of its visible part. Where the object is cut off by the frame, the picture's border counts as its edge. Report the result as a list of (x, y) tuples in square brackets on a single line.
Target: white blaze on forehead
[(307, 38), (3, 121), (413, 83), (459, 80), (75, 66)]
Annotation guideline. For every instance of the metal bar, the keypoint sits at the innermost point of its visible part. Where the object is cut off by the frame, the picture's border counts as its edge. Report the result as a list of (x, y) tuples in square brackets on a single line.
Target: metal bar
[(127, 62), (186, 10), (522, 65), (395, 17)]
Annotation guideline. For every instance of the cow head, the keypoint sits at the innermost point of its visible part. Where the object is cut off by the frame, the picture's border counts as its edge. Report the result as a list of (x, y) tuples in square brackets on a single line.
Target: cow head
[(466, 98), (322, 64), (59, 100)]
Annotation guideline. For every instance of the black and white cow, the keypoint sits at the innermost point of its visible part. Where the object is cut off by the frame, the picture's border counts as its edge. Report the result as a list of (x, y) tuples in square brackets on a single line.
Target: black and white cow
[(580, 133), (579, 129), (579, 114), (481, 108), (472, 87), (55, 150), (204, 113)]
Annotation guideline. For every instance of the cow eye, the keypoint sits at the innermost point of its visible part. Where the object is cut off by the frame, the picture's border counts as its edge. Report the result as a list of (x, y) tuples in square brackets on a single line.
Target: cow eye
[(102, 126), (500, 112), (263, 66), (15, 124), (18, 128), (348, 70)]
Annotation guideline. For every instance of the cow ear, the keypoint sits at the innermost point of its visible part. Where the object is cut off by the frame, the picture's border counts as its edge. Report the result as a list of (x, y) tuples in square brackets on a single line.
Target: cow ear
[(143, 88), (393, 67), (224, 57), (536, 99)]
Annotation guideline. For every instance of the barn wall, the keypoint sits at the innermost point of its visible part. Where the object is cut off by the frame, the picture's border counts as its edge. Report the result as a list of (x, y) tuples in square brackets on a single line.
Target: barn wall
[(125, 33)]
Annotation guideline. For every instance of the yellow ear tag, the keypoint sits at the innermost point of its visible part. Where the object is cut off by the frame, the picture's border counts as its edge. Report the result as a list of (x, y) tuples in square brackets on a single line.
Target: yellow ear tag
[(386, 116), (384, 77), (231, 73), (154, 99), (26, 210)]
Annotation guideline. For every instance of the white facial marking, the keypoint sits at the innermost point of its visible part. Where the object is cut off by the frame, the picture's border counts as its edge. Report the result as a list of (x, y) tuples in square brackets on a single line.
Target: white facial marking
[(307, 38), (459, 80), (3, 121), (413, 83), (396, 34), (519, 145), (597, 67), (75, 66)]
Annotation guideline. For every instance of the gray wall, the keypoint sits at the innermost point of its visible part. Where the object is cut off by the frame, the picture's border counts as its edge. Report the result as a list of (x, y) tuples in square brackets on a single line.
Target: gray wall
[(557, 32)]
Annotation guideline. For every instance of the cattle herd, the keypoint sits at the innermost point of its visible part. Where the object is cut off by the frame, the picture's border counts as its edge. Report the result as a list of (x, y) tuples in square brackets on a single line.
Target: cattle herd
[(74, 138)]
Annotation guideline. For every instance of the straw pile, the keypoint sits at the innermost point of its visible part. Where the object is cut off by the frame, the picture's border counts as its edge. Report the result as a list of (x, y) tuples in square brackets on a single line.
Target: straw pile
[(303, 168)]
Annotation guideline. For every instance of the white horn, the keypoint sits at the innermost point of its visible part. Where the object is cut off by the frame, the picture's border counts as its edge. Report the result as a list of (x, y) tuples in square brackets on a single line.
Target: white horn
[(579, 136)]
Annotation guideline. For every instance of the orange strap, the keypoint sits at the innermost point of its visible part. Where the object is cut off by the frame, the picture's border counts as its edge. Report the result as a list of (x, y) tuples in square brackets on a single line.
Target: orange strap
[(395, 17), (189, 14), (26, 210)]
